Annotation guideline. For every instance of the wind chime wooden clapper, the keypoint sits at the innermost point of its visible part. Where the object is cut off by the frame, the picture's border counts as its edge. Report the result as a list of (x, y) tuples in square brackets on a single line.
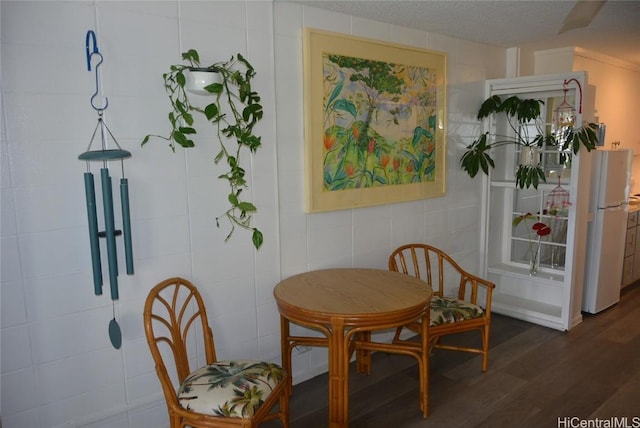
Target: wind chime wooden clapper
[(105, 154)]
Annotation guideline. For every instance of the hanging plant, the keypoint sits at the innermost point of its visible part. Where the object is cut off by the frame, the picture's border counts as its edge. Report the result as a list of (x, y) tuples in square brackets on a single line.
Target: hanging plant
[(234, 112), (521, 114)]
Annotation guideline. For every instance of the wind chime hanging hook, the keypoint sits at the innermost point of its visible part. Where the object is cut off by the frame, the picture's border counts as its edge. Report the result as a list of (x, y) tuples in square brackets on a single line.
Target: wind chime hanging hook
[(90, 52), (565, 85)]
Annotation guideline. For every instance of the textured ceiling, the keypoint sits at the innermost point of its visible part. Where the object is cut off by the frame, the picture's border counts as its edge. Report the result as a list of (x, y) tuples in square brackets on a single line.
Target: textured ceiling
[(615, 30)]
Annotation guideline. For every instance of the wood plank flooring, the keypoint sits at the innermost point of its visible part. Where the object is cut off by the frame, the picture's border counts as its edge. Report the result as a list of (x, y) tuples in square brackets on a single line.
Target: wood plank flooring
[(536, 375)]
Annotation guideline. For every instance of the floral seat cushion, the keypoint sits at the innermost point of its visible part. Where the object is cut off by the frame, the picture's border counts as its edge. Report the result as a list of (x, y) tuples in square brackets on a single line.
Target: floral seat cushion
[(445, 310), (229, 388)]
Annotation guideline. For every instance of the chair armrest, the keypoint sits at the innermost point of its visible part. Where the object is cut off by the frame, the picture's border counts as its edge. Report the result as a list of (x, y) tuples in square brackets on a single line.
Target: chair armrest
[(474, 284)]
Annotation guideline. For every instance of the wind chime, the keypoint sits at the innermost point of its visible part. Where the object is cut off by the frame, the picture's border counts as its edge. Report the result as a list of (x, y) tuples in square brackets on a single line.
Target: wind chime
[(558, 201), (564, 115), (105, 154)]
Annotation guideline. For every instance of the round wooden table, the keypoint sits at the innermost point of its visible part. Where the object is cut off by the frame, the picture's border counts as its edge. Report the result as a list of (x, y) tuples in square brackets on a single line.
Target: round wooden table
[(346, 305)]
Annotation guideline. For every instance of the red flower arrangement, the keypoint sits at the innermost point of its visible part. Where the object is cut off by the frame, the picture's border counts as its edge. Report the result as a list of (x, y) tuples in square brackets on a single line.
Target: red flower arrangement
[(541, 230)]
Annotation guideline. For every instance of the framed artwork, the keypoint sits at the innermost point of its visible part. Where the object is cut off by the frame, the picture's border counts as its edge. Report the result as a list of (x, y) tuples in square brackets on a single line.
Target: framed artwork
[(374, 122)]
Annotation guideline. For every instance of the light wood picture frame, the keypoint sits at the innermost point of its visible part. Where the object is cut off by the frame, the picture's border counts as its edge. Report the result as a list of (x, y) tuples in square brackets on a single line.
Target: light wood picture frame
[(375, 122)]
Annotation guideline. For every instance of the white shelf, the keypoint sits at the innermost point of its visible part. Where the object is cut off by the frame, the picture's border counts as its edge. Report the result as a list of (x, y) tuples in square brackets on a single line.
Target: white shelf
[(528, 310), (528, 307), (552, 297), (514, 271), (512, 184)]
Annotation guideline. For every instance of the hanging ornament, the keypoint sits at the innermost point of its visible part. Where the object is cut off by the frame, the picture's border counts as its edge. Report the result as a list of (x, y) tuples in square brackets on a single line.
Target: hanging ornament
[(564, 116), (558, 201), (104, 154)]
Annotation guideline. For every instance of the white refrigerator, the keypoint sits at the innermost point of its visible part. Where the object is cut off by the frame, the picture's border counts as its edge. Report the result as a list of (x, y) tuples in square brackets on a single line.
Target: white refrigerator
[(606, 232)]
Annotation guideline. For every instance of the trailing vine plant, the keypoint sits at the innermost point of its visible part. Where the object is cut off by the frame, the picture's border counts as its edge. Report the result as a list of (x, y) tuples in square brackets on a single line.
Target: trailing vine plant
[(235, 111)]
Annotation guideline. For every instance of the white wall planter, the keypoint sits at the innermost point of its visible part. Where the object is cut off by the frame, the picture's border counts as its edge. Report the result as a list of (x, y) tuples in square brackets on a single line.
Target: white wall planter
[(199, 79)]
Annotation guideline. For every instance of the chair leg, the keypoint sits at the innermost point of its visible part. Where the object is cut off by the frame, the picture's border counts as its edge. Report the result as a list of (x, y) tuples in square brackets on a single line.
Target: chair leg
[(425, 347), (174, 421), (485, 348), (284, 408), (286, 350)]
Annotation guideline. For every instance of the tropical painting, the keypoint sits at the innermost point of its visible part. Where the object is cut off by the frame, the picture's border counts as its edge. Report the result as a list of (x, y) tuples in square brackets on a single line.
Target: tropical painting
[(374, 122), (379, 123)]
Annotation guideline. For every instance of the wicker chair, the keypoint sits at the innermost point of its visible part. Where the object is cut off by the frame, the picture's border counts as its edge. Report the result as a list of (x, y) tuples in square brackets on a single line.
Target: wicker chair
[(449, 315), (233, 393)]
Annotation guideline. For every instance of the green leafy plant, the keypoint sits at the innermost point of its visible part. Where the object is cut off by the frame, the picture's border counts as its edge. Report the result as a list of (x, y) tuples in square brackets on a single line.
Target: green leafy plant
[(523, 117), (234, 112)]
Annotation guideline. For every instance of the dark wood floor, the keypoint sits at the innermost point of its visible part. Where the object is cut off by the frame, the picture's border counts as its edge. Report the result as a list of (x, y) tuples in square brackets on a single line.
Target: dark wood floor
[(536, 375)]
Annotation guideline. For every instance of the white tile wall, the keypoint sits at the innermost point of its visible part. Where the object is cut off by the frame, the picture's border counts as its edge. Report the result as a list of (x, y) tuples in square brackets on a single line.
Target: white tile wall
[(23, 396), (19, 355), (58, 367), (13, 307)]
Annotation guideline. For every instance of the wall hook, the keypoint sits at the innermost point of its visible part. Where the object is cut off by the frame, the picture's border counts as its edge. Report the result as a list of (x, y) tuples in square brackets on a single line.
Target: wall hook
[(91, 38), (565, 85)]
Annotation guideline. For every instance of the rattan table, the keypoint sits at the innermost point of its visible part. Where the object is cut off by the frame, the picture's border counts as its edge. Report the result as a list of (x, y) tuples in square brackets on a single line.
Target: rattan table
[(346, 305)]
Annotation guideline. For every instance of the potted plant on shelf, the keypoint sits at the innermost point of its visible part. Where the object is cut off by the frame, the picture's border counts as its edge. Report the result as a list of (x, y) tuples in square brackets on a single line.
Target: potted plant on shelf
[(523, 116), (234, 112)]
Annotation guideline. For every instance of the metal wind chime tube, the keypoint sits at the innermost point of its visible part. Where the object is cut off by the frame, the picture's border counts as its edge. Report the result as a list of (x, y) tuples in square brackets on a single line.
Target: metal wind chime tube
[(126, 224), (90, 195), (104, 154), (110, 231)]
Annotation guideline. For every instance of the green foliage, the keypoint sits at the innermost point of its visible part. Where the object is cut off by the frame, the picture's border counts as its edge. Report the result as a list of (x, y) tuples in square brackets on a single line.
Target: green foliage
[(528, 175), (234, 112), (477, 156), (521, 114), (523, 111)]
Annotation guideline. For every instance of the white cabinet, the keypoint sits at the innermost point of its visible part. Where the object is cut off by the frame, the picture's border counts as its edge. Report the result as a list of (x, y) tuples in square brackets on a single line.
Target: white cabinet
[(631, 266), (553, 296), (636, 256)]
